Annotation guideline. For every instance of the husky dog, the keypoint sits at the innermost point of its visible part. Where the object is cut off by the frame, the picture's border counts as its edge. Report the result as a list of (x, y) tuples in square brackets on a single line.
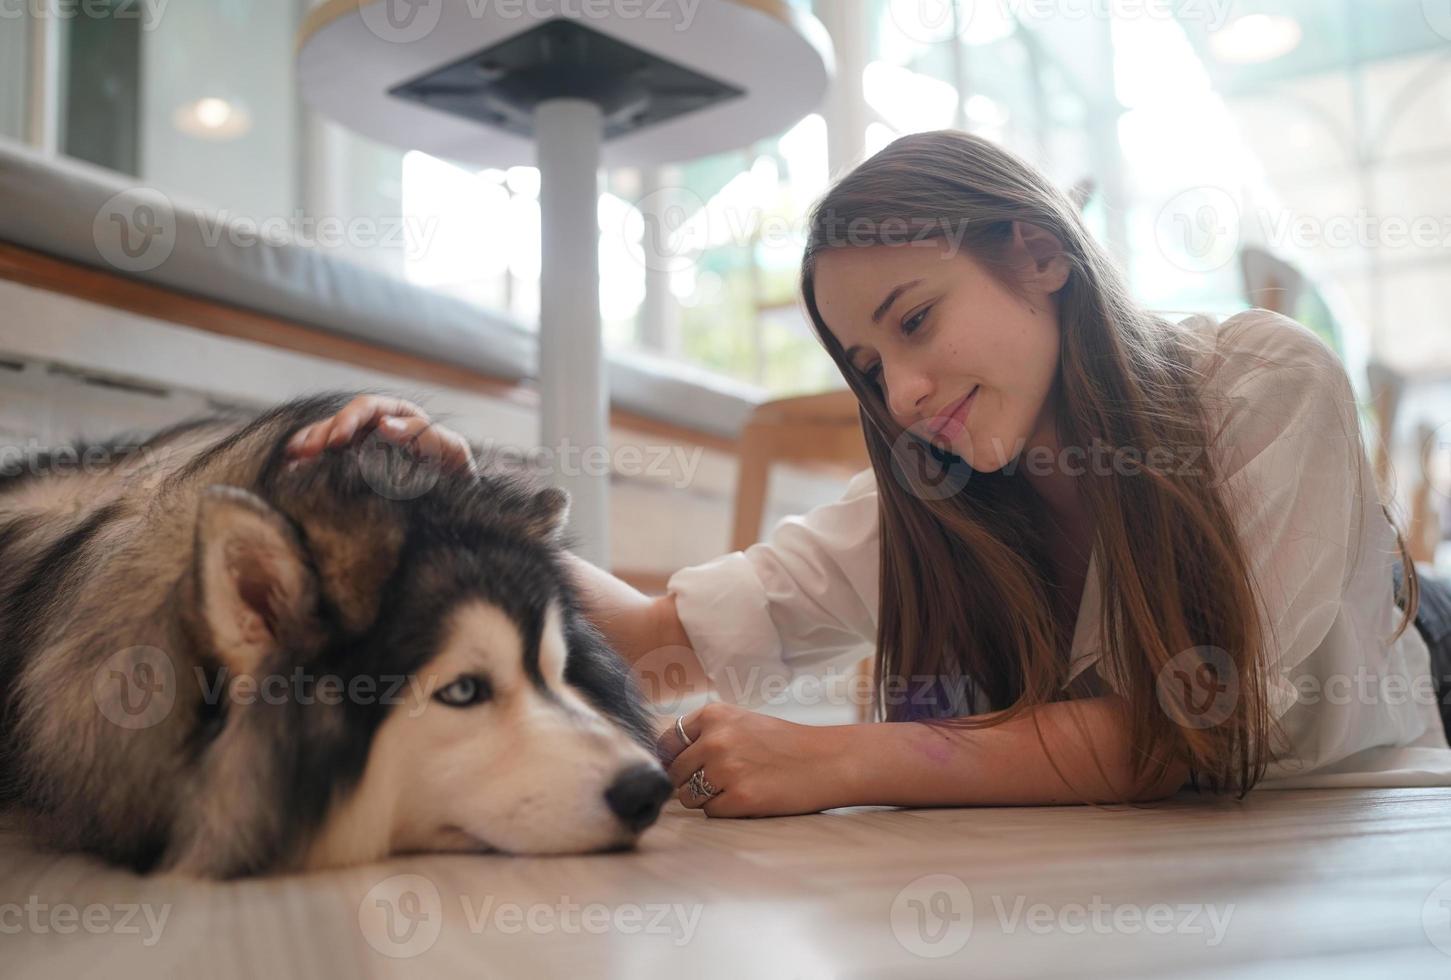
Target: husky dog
[(216, 662)]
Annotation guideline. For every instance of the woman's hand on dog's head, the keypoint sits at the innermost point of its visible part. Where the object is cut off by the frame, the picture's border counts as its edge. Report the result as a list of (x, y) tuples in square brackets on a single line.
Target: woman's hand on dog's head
[(394, 419)]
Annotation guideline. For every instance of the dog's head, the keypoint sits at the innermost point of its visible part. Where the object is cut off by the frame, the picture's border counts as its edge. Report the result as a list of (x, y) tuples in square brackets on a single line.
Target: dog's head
[(394, 670)]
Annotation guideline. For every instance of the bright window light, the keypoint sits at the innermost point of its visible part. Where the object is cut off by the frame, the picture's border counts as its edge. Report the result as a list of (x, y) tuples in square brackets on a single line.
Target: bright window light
[(804, 149), (473, 225), (909, 101), (1255, 38)]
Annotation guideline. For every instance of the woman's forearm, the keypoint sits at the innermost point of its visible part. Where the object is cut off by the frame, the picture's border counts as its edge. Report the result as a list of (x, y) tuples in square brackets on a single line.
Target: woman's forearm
[(645, 630), (912, 764)]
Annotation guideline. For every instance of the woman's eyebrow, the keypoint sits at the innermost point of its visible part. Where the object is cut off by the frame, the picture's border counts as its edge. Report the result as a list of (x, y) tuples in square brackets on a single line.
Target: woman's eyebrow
[(892, 297)]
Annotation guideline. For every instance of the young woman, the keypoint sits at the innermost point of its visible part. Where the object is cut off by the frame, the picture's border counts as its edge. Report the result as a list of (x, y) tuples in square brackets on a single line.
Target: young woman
[(1100, 555)]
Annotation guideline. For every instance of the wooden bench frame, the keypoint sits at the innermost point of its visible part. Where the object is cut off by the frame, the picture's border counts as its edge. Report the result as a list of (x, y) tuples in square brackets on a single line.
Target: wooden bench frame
[(41, 271)]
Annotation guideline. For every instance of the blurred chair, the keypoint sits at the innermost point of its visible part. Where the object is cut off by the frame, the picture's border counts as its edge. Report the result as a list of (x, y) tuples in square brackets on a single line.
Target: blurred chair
[(1273, 284), (1270, 282), (1387, 386), (1423, 534), (815, 432)]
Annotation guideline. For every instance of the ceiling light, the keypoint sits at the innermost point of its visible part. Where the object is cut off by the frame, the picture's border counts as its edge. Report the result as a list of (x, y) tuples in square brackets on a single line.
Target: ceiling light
[(1255, 38), (212, 118)]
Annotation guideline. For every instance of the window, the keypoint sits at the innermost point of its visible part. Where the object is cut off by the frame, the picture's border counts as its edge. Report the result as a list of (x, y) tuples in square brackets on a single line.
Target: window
[(1193, 155), (14, 73)]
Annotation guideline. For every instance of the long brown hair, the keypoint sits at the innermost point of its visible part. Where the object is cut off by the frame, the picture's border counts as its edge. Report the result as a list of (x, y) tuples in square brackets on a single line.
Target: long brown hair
[(965, 588)]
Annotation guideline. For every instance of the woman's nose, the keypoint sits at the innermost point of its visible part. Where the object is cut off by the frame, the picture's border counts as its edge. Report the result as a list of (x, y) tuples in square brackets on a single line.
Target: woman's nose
[(908, 390)]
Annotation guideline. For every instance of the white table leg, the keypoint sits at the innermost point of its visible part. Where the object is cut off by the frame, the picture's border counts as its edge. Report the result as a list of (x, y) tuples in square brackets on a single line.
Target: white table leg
[(574, 397)]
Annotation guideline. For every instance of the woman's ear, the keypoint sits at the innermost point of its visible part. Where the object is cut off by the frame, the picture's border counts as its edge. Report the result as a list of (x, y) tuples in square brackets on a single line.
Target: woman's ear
[(1040, 257)]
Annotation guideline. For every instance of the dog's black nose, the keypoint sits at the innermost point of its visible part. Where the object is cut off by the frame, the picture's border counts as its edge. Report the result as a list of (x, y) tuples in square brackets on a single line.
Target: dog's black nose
[(637, 794)]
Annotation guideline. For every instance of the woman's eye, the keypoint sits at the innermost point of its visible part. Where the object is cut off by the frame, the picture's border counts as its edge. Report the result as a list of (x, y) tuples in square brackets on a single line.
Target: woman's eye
[(466, 691), (910, 325)]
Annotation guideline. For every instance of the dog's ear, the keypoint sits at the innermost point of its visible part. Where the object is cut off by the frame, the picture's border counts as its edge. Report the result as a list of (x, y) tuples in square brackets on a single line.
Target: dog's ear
[(255, 588), (547, 513)]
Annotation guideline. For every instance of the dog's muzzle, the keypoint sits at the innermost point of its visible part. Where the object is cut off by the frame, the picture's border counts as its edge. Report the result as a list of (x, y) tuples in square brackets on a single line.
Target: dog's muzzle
[(637, 794)]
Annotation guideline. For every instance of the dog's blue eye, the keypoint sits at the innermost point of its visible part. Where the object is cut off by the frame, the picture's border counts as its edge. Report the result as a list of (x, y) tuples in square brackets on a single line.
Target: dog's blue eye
[(467, 690)]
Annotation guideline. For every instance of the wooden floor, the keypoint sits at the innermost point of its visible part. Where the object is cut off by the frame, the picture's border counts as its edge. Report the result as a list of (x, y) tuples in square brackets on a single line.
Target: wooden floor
[(1314, 883)]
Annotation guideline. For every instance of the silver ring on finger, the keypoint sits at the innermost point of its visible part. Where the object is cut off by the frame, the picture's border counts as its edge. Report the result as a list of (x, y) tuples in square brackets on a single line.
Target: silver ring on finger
[(701, 786), (680, 729)]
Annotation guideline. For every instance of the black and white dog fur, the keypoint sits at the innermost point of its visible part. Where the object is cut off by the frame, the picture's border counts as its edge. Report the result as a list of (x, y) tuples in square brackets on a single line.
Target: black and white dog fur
[(216, 663)]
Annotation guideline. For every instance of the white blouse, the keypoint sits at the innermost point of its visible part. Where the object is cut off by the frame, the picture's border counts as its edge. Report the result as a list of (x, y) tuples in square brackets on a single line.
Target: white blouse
[(1358, 709)]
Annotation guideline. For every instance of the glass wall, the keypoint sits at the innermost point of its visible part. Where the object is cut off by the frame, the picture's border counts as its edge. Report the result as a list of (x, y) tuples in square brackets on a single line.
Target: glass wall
[(14, 71), (219, 111), (102, 84), (1198, 135)]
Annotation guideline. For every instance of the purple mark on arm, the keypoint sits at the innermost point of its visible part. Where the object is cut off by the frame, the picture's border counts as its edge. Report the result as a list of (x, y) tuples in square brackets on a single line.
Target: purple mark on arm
[(938, 752)]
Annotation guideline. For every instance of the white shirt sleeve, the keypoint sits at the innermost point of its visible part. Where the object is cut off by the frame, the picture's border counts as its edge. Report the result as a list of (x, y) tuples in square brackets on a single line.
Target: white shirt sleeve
[(805, 599)]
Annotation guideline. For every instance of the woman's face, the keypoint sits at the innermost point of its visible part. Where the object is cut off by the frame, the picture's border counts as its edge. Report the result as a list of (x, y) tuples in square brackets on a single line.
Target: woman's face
[(960, 360)]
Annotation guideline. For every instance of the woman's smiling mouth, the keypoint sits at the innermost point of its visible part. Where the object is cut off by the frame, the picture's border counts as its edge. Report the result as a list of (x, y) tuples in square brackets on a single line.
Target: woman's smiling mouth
[(951, 422)]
